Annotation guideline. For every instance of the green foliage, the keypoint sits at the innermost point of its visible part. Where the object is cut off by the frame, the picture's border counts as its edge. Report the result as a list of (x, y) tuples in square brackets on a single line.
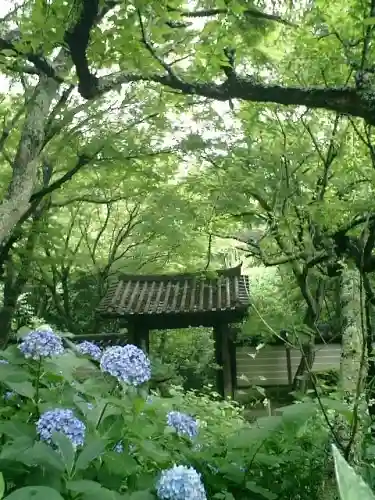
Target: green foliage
[(276, 303), (189, 353), (150, 181), (279, 457)]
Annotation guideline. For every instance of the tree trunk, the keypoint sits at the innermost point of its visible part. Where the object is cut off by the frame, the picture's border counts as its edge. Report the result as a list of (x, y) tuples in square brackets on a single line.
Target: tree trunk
[(302, 378), (26, 162), (370, 383), (354, 363), (10, 297), (15, 283)]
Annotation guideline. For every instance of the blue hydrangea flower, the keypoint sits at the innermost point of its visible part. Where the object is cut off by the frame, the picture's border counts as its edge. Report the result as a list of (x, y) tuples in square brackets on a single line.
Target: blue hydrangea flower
[(9, 395), (4, 362), (180, 483), (127, 363), (183, 424), (63, 421), (90, 349), (119, 447), (41, 344)]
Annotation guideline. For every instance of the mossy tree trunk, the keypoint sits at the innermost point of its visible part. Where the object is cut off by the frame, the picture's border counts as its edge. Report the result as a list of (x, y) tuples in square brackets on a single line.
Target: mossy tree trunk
[(354, 364), (351, 318)]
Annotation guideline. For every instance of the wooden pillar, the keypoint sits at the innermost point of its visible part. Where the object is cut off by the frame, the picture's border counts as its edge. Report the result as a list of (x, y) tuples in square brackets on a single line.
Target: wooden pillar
[(144, 339), (139, 335), (224, 356), (131, 335)]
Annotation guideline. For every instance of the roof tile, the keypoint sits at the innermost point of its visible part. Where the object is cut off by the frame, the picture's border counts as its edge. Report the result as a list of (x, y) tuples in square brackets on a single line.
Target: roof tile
[(173, 294)]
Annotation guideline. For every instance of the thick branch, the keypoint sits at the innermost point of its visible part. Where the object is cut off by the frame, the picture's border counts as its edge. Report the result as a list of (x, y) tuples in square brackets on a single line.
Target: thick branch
[(41, 64), (77, 39), (251, 13), (345, 101)]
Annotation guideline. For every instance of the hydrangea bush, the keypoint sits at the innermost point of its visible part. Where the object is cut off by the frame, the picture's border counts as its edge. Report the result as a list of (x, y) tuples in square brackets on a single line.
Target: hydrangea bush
[(76, 425)]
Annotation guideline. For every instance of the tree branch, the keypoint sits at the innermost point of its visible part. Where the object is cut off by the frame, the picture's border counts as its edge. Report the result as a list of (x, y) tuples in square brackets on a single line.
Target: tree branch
[(88, 199), (81, 162), (345, 100), (249, 12), (342, 100), (41, 64)]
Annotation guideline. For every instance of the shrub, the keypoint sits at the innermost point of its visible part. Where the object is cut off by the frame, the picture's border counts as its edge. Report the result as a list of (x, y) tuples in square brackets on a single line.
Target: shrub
[(72, 430)]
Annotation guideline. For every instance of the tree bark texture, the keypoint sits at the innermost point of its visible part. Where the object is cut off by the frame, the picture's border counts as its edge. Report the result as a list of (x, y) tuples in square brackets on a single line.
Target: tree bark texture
[(15, 281), (354, 363), (26, 162)]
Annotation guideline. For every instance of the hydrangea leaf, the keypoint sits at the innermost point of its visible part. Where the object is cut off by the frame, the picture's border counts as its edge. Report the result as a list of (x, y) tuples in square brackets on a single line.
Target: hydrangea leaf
[(83, 486), (12, 373), (15, 450), (25, 388), (142, 495), (15, 429), (351, 485), (66, 449), (43, 455), (154, 452), (34, 493), (89, 453), (254, 488)]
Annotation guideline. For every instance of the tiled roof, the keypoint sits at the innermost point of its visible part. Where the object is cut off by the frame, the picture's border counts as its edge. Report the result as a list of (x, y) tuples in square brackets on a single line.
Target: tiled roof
[(176, 294)]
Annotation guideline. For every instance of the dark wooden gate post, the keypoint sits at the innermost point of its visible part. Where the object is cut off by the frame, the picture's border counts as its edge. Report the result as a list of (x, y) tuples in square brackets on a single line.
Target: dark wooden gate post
[(224, 352), (139, 335), (143, 340)]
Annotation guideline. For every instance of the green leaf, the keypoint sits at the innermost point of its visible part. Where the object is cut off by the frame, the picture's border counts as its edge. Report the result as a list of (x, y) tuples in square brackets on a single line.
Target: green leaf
[(67, 364), (34, 493), (91, 490), (351, 485), (153, 451), (66, 449), (15, 429), (339, 406), (23, 331), (124, 467), (16, 450), (2, 485), (369, 21), (253, 487), (8, 52), (102, 494), (42, 454), (226, 495), (39, 476), (13, 373), (142, 495), (89, 453), (83, 486), (263, 428), (23, 388), (298, 413)]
